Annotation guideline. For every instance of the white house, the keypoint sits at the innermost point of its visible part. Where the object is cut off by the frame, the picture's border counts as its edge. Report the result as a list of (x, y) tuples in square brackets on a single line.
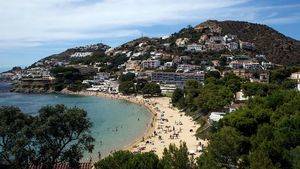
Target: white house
[(240, 96), (81, 54), (187, 67), (296, 76), (216, 116), (232, 46), (150, 64), (194, 47), (168, 64)]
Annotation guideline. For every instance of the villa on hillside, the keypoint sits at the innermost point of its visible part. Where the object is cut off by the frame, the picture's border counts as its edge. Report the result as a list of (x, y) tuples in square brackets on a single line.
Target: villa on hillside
[(81, 54), (194, 48), (150, 64), (296, 76)]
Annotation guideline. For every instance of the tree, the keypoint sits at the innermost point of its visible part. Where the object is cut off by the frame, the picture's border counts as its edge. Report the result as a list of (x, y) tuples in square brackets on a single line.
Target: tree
[(127, 77), (67, 77), (16, 137), (176, 158), (295, 158), (213, 97), (226, 147), (191, 84), (223, 61), (177, 95), (233, 82), (127, 87), (260, 89), (147, 160), (289, 84), (151, 89), (173, 158), (262, 134), (128, 160), (62, 134), (214, 74), (280, 75), (117, 160), (56, 134), (260, 160), (140, 84)]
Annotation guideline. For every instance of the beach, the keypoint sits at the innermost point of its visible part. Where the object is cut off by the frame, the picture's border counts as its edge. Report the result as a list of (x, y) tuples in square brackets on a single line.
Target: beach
[(171, 127), (167, 126)]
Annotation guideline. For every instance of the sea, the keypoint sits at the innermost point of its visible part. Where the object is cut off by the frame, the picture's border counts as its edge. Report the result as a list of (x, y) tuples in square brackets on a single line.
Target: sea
[(107, 115)]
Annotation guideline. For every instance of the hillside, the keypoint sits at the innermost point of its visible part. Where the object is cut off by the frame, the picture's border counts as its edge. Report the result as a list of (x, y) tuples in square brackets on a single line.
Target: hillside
[(76, 53), (208, 36), (277, 47)]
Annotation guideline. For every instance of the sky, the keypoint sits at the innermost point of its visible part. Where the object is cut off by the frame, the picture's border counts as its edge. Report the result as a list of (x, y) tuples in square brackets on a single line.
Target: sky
[(33, 29)]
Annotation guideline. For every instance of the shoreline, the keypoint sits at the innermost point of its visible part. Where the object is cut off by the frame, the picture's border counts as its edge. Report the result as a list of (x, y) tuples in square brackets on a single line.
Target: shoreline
[(151, 125), (167, 125), (159, 133)]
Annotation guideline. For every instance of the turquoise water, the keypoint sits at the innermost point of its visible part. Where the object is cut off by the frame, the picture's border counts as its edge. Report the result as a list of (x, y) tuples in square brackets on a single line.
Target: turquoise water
[(131, 120)]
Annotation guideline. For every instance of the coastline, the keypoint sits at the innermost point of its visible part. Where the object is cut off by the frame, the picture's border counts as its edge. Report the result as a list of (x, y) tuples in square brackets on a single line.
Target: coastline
[(139, 100), (167, 125)]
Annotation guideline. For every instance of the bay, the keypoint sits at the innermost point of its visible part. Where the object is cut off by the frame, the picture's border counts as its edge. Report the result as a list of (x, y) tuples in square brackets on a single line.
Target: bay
[(107, 115)]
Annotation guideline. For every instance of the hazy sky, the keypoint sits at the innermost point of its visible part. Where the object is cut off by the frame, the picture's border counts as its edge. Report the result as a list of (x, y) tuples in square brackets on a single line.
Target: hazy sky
[(33, 29)]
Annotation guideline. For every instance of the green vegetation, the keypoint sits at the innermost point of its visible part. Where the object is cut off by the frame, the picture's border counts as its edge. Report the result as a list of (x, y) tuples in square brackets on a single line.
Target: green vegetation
[(258, 89), (151, 89), (213, 96), (129, 85), (57, 134), (173, 158), (127, 77), (68, 77), (279, 76), (107, 64), (279, 80), (126, 85), (263, 134)]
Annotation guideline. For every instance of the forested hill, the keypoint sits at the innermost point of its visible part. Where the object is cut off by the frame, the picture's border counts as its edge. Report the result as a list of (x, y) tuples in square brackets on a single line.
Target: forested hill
[(277, 47)]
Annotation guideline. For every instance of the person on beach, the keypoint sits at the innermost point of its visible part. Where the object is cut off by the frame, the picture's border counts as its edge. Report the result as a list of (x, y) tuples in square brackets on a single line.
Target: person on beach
[(99, 155)]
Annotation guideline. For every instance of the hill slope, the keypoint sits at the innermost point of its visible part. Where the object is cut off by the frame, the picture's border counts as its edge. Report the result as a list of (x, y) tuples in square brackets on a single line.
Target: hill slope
[(69, 55), (277, 47)]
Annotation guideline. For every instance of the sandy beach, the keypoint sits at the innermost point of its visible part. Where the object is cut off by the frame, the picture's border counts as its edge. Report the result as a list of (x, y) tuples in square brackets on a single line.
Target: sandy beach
[(171, 127), (167, 126)]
